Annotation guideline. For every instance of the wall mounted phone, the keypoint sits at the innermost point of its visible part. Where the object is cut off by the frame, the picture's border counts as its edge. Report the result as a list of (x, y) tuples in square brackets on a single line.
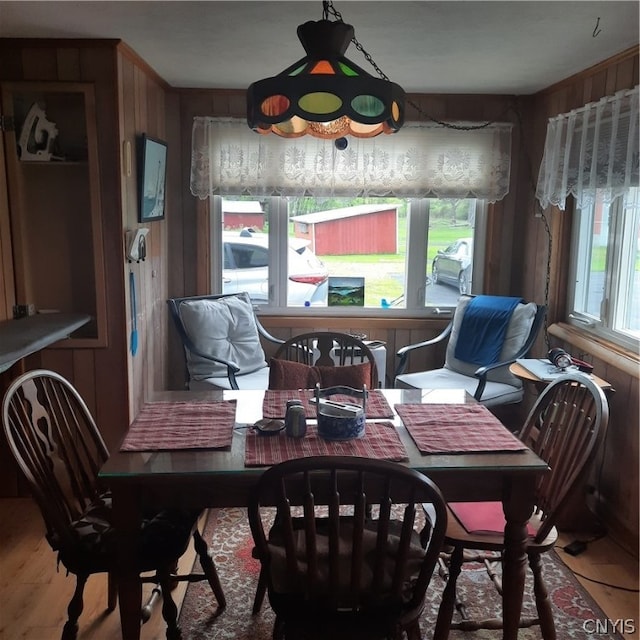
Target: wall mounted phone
[(136, 242)]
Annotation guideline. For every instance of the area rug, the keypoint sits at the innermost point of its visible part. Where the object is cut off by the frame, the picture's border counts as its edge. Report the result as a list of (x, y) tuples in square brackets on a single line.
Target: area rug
[(227, 531)]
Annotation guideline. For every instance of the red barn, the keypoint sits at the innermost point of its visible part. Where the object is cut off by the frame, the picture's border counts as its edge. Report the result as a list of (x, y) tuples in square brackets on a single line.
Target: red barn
[(238, 214), (363, 229)]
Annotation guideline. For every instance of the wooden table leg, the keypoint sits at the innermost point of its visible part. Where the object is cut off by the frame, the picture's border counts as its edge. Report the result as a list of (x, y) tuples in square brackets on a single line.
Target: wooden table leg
[(126, 517), (517, 504)]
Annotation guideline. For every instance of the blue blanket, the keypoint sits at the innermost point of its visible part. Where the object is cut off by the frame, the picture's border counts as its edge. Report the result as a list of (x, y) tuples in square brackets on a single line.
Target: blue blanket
[(483, 329)]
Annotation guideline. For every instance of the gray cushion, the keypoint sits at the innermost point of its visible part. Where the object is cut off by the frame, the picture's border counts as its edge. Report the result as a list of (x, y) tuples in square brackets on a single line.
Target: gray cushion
[(517, 333), (495, 393), (225, 328), (255, 380)]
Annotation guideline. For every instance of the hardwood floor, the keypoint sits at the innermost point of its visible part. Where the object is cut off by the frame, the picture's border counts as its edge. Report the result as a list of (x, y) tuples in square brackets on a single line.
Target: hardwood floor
[(34, 596), (604, 561)]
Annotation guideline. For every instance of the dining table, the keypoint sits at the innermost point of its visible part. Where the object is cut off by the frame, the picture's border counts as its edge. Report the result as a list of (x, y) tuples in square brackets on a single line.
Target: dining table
[(200, 449)]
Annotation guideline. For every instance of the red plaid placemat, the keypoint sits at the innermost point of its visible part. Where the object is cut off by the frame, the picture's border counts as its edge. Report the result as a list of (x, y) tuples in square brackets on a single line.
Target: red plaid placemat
[(182, 425), (446, 428), (274, 404), (380, 440)]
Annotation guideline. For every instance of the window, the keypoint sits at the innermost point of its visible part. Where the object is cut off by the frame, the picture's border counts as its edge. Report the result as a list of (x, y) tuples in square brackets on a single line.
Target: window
[(605, 291), (287, 251)]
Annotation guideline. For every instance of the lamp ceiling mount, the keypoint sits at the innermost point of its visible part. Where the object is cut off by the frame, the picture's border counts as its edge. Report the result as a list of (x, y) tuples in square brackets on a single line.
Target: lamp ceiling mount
[(324, 39)]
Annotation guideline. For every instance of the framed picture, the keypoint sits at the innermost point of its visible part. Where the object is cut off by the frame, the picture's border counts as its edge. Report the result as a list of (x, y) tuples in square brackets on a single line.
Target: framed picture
[(153, 178), (346, 292)]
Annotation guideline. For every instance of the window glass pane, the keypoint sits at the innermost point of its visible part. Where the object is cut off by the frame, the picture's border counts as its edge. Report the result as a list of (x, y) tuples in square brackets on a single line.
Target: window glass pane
[(592, 258), (346, 253), (354, 253), (245, 248), (606, 259), (450, 250), (627, 316)]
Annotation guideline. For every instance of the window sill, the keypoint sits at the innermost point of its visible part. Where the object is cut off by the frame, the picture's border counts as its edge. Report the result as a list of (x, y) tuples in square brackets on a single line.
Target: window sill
[(345, 323), (610, 353), (356, 312)]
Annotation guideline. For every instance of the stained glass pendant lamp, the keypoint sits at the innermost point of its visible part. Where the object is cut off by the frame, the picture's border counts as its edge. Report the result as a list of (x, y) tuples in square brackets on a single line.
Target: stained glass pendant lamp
[(324, 94)]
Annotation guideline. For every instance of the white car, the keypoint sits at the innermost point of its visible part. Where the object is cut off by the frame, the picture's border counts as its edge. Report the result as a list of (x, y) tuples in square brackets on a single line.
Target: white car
[(245, 268)]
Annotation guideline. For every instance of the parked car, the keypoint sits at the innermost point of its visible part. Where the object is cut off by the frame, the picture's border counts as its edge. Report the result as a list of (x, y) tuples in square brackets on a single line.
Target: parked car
[(454, 265), (245, 268)]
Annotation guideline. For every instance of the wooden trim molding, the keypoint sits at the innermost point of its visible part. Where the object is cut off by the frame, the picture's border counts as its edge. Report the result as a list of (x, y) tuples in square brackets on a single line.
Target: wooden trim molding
[(610, 353), (144, 66)]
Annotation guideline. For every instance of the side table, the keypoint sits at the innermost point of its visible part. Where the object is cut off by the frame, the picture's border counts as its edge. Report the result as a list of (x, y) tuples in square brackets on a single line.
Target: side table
[(521, 372)]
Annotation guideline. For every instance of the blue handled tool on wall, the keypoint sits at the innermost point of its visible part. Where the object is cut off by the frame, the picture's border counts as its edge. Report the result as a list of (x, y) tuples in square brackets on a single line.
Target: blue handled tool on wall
[(134, 318)]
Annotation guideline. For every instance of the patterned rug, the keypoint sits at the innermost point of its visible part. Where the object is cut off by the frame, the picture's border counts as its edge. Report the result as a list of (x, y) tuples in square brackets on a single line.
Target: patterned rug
[(230, 538)]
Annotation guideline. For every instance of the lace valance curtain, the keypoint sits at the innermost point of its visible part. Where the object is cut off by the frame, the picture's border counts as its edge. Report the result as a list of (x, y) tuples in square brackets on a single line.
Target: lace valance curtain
[(418, 161), (594, 147)]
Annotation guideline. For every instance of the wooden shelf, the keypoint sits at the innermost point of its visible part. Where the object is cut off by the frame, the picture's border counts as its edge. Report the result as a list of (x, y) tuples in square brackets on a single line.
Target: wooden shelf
[(55, 208), (53, 163), (22, 337)]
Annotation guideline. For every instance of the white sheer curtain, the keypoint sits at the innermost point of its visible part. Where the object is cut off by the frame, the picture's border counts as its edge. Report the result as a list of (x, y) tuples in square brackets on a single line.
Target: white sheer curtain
[(594, 147), (418, 161)]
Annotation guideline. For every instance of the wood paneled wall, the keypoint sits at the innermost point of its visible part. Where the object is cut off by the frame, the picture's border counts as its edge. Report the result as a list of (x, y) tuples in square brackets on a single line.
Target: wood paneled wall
[(144, 103), (91, 370), (130, 100), (614, 473)]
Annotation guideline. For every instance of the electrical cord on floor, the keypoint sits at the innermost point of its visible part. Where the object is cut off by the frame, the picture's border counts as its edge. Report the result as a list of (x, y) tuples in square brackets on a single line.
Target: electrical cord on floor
[(576, 547), (581, 575)]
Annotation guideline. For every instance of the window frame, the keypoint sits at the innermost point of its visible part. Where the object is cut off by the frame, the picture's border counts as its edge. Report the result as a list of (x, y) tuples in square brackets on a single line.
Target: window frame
[(616, 289), (416, 265)]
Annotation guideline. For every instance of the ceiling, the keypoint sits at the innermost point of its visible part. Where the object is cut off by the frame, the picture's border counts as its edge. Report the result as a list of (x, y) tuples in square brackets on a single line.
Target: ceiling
[(508, 47)]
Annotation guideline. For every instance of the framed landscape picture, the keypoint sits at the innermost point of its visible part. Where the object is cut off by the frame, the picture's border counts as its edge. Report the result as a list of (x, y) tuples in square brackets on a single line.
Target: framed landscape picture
[(346, 292), (153, 178)]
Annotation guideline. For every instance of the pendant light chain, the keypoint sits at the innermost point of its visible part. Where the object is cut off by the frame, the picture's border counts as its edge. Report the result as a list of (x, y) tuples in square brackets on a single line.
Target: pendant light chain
[(328, 8)]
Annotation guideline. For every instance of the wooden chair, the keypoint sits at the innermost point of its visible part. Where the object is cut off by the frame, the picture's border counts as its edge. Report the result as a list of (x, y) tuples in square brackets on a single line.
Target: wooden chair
[(221, 339), (490, 382), (342, 558), (55, 441), (324, 349), (564, 427)]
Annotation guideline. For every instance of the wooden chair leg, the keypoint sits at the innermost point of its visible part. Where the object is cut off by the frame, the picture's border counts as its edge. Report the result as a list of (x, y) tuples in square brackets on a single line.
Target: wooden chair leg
[(543, 606), (445, 612), (112, 592), (261, 589), (278, 629), (169, 608), (70, 629), (209, 568), (413, 631)]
